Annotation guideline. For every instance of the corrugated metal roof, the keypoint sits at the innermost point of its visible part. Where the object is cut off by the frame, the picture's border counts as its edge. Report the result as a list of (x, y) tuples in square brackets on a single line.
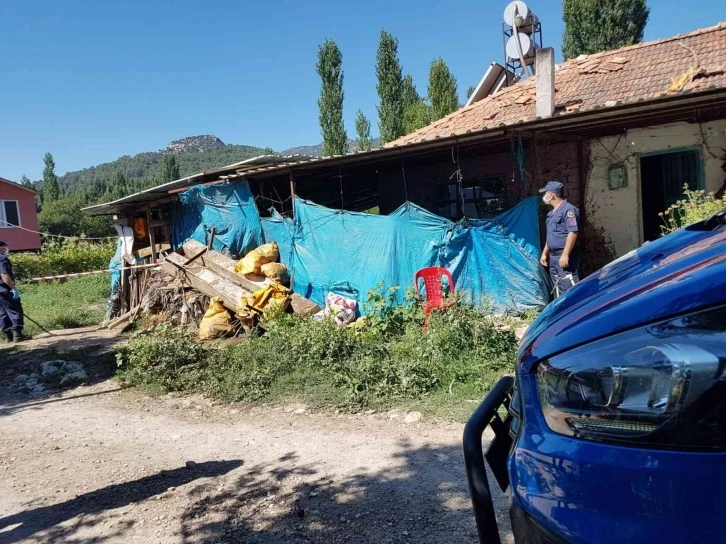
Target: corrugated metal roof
[(160, 191)]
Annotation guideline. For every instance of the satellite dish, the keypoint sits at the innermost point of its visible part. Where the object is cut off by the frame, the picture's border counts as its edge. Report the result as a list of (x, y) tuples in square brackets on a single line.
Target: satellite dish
[(528, 46), (517, 14)]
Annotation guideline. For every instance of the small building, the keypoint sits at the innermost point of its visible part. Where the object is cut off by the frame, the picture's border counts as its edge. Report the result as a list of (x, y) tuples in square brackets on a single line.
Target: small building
[(18, 217), (624, 130)]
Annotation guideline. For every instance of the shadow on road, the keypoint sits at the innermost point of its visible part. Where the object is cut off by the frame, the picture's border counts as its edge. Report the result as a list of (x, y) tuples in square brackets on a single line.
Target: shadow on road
[(423, 499), (18, 527)]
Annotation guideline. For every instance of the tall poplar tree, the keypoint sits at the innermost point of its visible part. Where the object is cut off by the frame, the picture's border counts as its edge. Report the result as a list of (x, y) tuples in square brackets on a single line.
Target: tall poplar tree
[(363, 129), (592, 26), (51, 189), (390, 89), (443, 92), (330, 103)]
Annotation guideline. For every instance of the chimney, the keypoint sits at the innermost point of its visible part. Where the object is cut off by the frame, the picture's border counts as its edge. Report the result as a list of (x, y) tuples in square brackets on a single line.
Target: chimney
[(545, 70)]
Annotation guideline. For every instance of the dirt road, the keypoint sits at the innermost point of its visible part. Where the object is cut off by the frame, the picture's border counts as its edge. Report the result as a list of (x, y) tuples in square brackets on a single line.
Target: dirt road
[(101, 464)]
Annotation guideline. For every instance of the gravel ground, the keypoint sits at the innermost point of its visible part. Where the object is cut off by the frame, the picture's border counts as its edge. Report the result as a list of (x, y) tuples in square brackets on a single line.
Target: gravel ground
[(102, 464)]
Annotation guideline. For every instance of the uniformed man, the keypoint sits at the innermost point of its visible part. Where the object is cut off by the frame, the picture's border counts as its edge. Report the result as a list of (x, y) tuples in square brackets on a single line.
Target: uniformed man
[(11, 311), (561, 252)]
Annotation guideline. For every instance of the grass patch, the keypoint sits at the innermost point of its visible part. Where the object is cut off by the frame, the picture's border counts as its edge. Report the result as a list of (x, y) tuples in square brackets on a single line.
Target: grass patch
[(77, 302), (390, 363)]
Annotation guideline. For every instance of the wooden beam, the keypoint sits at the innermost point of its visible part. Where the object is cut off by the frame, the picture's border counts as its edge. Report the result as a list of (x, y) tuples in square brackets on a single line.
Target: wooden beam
[(223, 266)]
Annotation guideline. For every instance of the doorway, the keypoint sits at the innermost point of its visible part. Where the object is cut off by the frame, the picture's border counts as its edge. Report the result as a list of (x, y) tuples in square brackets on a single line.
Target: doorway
[(662, 179)]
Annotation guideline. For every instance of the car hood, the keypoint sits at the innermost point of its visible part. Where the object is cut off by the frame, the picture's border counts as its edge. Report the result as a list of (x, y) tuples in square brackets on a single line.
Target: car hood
[(678, 273)]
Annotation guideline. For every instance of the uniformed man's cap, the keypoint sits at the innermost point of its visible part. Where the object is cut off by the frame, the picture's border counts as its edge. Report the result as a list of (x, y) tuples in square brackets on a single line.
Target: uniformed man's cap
[(553, 186), (2, 244)]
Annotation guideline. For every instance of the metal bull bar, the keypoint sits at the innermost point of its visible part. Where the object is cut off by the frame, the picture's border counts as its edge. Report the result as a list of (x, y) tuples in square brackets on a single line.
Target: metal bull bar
[(481, 498)]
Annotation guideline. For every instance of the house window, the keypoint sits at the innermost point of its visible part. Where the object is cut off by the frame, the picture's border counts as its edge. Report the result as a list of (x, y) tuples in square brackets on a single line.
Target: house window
[(481, 198), (9, 214), (663, 177)]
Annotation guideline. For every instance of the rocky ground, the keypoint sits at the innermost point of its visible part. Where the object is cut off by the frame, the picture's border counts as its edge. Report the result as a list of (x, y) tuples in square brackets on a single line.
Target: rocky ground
[(97, 463)]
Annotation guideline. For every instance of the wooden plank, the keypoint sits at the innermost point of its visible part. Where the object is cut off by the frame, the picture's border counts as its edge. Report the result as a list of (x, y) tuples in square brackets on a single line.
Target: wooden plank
[(195, 257), (212, 232), (204, 280), (146, 252), (224, 267)]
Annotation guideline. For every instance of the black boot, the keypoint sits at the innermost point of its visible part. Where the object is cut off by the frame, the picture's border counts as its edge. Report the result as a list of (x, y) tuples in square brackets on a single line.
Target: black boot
[(8, 335), (18, 336)]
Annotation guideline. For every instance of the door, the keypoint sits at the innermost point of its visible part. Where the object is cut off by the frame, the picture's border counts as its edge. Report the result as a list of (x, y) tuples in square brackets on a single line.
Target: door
[(662, 180)]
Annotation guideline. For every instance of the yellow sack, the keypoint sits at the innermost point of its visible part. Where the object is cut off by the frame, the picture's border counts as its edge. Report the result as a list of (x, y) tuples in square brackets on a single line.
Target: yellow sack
[(270, 252), (250, 263), (276, 272), (253, 261), (216, 322), (269, 296)]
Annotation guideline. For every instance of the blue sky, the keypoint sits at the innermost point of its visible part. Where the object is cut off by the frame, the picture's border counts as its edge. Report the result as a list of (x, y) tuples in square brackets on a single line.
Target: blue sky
[(91, 81)]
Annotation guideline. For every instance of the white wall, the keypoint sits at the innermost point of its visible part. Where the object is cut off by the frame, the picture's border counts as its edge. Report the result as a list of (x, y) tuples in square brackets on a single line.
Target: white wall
[(617, 213)]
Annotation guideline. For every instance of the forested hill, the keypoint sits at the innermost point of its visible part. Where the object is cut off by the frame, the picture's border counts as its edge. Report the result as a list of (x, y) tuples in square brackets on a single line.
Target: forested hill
[(193, 154)]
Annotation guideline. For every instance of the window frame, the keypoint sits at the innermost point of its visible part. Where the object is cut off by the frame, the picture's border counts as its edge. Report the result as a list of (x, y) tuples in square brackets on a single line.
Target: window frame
[(482, 183), (3, 218)]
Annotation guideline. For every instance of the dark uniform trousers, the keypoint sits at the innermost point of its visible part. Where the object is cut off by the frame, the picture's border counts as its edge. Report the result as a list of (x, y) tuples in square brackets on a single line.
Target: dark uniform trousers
[(564, 278), (11, 311)]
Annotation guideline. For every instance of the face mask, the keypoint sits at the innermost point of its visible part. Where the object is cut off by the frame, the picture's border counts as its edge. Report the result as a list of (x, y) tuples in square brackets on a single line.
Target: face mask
[(547, 198)]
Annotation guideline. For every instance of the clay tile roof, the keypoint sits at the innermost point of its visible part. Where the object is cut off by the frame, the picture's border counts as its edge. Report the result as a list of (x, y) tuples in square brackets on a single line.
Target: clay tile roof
[(686, 63)]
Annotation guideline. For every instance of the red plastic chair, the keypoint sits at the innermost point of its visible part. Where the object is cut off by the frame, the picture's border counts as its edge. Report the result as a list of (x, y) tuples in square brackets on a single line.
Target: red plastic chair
[(432, 280)]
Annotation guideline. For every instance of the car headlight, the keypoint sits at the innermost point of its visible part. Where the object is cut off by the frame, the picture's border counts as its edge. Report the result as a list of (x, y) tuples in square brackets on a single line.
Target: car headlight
[(663, 384)]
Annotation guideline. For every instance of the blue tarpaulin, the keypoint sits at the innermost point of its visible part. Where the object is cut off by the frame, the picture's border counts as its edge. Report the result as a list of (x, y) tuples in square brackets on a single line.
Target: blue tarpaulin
[(228, 207), (493, 262)]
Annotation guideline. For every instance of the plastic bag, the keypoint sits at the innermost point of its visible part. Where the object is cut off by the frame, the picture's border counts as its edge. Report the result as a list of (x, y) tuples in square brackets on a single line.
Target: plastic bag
[(216, 322), (276, 272), (341, 309)]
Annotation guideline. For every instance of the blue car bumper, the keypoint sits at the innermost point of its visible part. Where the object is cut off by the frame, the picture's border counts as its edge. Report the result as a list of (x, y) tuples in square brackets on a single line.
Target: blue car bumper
[(580, 491)]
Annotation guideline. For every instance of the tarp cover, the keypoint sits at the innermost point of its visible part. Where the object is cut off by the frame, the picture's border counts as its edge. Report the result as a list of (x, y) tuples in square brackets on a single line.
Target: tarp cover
[(493, 262), (228, 207)]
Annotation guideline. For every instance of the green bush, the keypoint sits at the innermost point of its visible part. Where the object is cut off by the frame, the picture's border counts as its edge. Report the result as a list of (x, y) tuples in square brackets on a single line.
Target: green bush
[(391, 359), (696, 206), (63, 257), (166, 356)]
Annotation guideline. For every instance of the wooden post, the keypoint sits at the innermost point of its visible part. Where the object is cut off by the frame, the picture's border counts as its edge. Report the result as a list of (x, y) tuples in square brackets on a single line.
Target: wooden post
[(151, 233), (292, 191)]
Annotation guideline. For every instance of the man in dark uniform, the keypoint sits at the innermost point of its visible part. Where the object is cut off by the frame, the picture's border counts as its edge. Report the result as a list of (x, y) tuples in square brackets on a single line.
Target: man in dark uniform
[(561, 252), (11, 311)]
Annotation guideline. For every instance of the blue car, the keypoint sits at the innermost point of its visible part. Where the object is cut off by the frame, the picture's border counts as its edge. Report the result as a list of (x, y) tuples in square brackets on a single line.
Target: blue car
[(614, 428)]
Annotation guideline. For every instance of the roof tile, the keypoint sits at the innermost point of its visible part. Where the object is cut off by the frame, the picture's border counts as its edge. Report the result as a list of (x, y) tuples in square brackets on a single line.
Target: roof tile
[(637, 73)]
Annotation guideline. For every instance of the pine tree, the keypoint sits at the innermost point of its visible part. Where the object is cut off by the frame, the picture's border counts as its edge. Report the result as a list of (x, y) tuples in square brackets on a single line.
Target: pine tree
[(330, 69), (119, 188), (51, 190), (470, 91), (171, 169), (443, 92), (363, 129), (390, 89), (592, 26)]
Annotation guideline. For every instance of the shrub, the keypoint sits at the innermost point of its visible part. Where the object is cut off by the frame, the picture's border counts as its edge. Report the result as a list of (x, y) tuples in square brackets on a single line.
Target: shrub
[(167, 356), (392, 358), (696, 206), (63, 257)]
